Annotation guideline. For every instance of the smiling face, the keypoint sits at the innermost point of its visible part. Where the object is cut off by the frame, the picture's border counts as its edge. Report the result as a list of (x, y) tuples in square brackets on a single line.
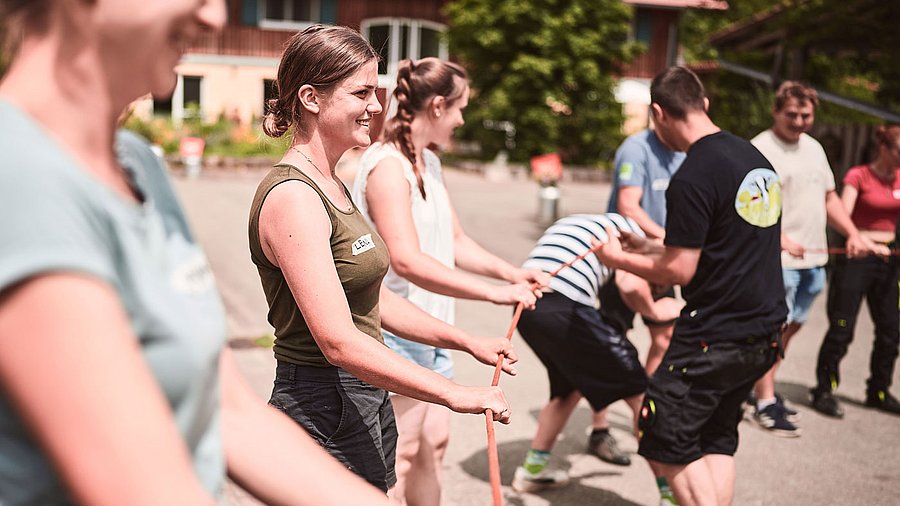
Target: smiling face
[(347, 109), (141, 41), (796, 117)]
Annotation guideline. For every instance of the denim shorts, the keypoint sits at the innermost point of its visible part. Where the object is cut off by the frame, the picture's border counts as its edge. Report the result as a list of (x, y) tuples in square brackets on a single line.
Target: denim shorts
[(801, 286), (429, 357), (351, 419)]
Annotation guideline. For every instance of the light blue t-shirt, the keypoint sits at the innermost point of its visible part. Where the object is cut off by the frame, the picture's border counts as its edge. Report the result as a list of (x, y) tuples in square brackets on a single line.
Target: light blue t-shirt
[(643, 161), (56, 217)]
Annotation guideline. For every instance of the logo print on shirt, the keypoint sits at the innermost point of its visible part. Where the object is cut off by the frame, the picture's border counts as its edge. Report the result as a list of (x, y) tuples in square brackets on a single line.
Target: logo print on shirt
[(758, 199), (626, 171), (363, 244)]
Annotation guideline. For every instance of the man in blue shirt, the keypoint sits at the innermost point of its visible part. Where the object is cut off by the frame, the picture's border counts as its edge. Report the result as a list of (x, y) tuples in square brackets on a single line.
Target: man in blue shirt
[(644, 166)]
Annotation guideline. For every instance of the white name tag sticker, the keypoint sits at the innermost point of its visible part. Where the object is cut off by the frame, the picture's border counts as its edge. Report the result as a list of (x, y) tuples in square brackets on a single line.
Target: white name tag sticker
[(363, 244), (897, 194), (659, 184)]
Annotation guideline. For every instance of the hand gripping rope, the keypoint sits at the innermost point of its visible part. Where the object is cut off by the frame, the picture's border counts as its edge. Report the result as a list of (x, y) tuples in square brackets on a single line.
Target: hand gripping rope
[(842, 251), (493, 456)]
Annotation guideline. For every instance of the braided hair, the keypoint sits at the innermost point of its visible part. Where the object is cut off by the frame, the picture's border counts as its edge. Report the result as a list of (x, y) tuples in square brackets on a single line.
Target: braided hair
[(418, 82), (321, 56)]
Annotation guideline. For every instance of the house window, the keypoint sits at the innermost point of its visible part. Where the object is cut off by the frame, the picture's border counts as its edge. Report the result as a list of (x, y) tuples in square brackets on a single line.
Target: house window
[(186, 101), (162, 106), (191, 95), (397, 39), (643, 26), (288, 14)]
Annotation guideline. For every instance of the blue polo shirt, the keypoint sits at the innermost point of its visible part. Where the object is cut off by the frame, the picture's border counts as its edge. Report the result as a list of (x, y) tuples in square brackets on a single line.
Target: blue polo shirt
[(643, 161)]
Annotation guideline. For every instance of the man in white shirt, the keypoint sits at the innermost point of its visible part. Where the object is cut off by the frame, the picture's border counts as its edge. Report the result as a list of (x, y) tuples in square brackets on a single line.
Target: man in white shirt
[(809, 204)]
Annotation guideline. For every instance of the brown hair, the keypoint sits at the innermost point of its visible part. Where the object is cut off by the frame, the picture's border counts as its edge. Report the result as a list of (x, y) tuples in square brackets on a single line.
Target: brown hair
[(678, 91), (793, 89), (888, 135), (417, 83), (320, 56), (18, 15)]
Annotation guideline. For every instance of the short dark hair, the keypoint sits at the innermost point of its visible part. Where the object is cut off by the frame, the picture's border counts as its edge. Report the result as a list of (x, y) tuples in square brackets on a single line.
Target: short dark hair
[(793, 89), (678, 91)]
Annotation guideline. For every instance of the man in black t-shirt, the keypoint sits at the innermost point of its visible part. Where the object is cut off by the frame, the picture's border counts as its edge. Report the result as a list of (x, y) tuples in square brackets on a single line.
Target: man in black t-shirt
[(722, 245)]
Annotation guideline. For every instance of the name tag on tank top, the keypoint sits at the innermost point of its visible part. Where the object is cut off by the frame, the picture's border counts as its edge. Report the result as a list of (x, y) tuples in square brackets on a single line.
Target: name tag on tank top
[(363, 244)]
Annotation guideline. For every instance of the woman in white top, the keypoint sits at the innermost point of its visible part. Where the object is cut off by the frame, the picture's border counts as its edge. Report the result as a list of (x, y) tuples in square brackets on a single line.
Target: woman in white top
[(399, 187)]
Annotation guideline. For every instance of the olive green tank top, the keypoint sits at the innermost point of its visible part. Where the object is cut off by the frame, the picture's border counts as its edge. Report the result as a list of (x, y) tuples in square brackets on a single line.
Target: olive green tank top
[(360, 257)]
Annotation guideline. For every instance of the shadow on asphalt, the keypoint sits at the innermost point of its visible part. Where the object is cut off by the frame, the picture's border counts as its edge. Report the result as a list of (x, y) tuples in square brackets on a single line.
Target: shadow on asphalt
[(571, 443), (799, 394)]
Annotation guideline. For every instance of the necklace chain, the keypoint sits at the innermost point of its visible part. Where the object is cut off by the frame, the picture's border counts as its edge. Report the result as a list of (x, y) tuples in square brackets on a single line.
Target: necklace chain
[(308, 159)]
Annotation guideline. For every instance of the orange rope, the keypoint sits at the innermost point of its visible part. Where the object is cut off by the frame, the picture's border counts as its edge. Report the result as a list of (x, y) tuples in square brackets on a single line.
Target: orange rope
[(493, 456), (842, 251)]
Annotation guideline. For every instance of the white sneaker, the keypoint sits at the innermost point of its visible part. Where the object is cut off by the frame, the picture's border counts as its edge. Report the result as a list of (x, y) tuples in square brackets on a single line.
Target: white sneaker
[(548, 478)]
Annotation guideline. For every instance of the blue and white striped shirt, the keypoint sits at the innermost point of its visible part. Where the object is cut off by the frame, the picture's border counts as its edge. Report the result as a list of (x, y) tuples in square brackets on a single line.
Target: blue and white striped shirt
[(566, 239)]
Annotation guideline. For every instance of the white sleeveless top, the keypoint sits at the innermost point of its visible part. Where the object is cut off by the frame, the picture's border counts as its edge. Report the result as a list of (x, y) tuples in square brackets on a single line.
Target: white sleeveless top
[(432, 219)]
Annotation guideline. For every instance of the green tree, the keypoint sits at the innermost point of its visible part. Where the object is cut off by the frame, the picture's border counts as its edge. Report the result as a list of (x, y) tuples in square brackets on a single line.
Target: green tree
[(848, 47), (548, 67)]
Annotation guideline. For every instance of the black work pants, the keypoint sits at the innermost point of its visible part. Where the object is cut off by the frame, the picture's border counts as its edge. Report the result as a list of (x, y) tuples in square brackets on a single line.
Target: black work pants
[(877, 281)]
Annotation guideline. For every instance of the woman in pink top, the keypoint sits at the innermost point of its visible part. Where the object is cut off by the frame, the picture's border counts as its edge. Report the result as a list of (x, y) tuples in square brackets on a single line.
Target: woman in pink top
[(872, 196)]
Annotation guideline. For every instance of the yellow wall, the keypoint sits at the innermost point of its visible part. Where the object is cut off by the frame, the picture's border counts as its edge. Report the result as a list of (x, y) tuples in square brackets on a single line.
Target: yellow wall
[(230, 89)]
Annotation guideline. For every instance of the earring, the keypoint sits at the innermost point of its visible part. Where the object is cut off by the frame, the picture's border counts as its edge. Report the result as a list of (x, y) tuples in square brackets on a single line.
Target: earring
[(437, 114)]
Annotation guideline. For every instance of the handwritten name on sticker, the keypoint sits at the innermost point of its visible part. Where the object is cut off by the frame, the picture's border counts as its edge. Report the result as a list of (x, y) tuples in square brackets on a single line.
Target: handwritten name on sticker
[(363, 244)]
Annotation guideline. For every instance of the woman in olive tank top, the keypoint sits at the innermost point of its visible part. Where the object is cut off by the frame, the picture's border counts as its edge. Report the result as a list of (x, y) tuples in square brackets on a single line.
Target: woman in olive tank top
[(321, 266)]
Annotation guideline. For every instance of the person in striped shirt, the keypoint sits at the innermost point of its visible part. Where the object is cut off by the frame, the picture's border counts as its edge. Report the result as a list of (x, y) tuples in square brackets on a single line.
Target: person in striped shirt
[(584, 356)]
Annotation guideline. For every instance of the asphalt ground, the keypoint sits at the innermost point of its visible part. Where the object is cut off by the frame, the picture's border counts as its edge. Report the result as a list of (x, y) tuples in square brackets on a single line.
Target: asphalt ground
[(849, 461)]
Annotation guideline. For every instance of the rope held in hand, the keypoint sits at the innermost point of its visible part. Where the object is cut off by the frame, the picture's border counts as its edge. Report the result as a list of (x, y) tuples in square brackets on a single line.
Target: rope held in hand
[(842, 251), (493, 456)]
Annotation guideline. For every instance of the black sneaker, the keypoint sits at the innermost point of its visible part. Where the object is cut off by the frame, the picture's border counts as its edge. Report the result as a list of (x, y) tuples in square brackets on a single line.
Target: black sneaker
[(883, 401), (774, 419), (790, 413), (825, 403), (604, 445)]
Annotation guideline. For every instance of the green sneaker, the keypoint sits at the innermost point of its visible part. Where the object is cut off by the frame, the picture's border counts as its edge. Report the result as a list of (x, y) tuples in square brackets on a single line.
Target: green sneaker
[(547, 478)]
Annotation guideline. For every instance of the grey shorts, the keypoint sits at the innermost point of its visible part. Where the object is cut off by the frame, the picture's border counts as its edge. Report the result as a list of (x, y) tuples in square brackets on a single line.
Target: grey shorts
[(351, 419)]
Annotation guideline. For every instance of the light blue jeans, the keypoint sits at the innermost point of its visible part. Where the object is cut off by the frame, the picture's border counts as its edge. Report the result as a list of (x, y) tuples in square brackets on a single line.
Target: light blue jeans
[(801, 286), (429, 357)]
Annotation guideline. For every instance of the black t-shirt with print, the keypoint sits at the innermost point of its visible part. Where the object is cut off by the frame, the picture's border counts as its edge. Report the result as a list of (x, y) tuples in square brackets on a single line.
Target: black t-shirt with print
[(726, 201)]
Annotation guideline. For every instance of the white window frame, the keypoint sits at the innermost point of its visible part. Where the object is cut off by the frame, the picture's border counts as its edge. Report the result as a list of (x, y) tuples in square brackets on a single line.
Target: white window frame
[(285, 24), (394, 25), (178, 98)]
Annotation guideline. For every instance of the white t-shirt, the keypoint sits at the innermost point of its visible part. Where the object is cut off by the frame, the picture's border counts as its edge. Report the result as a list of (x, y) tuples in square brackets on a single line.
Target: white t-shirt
[(806, 179)]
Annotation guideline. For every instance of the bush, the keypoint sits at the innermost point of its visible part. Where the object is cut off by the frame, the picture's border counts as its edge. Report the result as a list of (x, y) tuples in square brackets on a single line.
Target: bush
[(223, 137)]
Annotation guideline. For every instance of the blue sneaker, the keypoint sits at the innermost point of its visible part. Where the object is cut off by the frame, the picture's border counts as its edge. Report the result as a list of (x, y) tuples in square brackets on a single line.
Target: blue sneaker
[(774, 419)]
